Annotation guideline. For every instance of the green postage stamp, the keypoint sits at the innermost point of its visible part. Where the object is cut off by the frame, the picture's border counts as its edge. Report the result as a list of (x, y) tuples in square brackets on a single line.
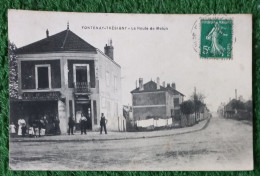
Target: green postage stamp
[(216, 38)]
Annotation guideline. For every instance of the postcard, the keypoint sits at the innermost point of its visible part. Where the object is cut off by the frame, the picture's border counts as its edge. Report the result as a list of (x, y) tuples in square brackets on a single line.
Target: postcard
[(130, 92)]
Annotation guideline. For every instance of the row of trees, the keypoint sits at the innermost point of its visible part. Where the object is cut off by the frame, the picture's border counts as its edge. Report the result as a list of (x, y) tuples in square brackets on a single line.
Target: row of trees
[(195, 105), (239, 109), (240, 105)]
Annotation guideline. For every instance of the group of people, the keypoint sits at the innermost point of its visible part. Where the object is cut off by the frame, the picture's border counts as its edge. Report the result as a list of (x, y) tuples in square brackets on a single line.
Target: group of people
[(21, 128), (35, 127), (83, 124)]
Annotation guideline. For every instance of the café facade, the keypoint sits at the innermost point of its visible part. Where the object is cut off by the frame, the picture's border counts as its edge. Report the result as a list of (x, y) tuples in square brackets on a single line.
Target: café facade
[(63, 75)]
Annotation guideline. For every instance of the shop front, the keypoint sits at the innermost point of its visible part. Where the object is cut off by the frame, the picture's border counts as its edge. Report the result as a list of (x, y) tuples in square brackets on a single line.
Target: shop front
[(36, 106)]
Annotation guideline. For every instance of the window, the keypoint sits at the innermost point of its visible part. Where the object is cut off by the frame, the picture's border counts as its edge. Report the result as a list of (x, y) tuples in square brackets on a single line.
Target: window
[(107, 78), (43, 76), (176, 102), (115, 83), (81, 74)]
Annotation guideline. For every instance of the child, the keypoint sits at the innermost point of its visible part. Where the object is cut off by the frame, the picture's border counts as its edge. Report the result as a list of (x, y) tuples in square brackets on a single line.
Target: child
[(12, 130)]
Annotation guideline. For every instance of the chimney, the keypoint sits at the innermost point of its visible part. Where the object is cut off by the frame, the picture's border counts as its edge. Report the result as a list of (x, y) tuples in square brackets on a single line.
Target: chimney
[(47, 33), (136, 84), (109, 49), (158, 83), (163, 84), (141, 86), (236, 94), (168, 85), (173, 85)]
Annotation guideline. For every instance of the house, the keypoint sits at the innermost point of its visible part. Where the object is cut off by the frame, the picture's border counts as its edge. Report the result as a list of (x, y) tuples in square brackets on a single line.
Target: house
[(62, 75), (152, 100)]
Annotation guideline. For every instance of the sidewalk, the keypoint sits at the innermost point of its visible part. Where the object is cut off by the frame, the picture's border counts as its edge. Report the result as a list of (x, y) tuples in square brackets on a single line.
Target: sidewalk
[(95, 136)]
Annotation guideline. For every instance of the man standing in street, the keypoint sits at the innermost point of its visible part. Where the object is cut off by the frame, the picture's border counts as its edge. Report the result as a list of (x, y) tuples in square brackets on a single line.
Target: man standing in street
[(83, 124), (103, 122), (71, 125)]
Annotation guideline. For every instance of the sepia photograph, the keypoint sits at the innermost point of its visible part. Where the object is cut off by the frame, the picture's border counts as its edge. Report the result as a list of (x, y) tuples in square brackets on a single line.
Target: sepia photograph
[(130, 92)]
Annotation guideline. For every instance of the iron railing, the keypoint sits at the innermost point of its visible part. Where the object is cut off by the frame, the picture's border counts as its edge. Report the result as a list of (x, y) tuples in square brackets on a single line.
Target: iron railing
[(81, 87)]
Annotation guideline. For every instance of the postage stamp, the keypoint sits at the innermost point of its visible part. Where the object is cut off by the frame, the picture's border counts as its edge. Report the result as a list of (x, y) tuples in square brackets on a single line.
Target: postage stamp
[(216, 38)]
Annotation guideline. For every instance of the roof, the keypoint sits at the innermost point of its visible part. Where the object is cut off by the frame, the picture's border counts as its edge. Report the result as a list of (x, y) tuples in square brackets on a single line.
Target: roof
[(175, 92), (62, 41), (151, 86), (229, 106)]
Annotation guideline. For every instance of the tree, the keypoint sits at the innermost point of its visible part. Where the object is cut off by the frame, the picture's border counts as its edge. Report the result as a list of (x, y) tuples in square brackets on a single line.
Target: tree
[(249, 109), (198, 100), (187, 107), (13, 71), (249, 106), (237, 104)]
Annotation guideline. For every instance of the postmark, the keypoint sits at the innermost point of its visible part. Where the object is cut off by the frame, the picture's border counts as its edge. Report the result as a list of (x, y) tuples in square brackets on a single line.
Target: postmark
[(216, 38)]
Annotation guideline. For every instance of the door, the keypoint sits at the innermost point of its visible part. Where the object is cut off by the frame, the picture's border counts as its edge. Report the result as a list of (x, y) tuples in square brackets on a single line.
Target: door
[(86, 109)]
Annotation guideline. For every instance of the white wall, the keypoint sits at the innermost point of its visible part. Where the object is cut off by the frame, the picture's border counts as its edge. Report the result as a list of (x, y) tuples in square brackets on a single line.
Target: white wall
[(110, 93)]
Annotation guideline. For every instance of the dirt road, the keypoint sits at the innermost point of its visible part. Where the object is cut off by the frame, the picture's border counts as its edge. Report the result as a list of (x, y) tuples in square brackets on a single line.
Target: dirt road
[(224, 145)]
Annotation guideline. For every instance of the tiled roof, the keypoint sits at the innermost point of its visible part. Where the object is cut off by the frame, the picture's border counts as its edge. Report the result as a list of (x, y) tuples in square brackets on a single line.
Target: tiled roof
[(63, 41), (151, 86)]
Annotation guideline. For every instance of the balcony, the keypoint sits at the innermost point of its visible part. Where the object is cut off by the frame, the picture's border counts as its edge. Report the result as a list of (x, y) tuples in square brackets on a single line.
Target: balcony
[(82, 88)]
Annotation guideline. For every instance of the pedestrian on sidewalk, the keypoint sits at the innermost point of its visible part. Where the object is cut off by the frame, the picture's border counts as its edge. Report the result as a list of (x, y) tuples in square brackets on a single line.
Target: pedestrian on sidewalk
[(71, 125), (39, 126), (22, 127), (103, 122), (42, 125), (57, 125), (83, 124), (12, 130), (20, 123), (35, 126)]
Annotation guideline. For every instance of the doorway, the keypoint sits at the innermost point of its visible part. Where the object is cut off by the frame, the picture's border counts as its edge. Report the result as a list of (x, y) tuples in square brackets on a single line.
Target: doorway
[(85, 108)]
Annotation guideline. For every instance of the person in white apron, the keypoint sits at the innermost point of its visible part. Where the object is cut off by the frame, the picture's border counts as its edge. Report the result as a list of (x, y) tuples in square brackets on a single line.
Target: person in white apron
[(21, 123), (19, 127)]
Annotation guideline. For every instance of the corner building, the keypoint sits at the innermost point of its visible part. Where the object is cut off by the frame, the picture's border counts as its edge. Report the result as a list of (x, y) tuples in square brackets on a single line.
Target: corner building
[(62, 75)]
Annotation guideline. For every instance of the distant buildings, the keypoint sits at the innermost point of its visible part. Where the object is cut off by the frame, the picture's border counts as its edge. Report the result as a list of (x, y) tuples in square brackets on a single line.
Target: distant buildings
[(152, 100), (62, 75)]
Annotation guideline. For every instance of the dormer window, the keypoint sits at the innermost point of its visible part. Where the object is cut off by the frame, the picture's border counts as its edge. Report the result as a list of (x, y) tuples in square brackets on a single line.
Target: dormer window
[(43, 76)]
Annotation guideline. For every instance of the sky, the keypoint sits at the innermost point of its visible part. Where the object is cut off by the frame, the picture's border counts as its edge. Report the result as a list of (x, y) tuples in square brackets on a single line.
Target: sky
[(170, 54)]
